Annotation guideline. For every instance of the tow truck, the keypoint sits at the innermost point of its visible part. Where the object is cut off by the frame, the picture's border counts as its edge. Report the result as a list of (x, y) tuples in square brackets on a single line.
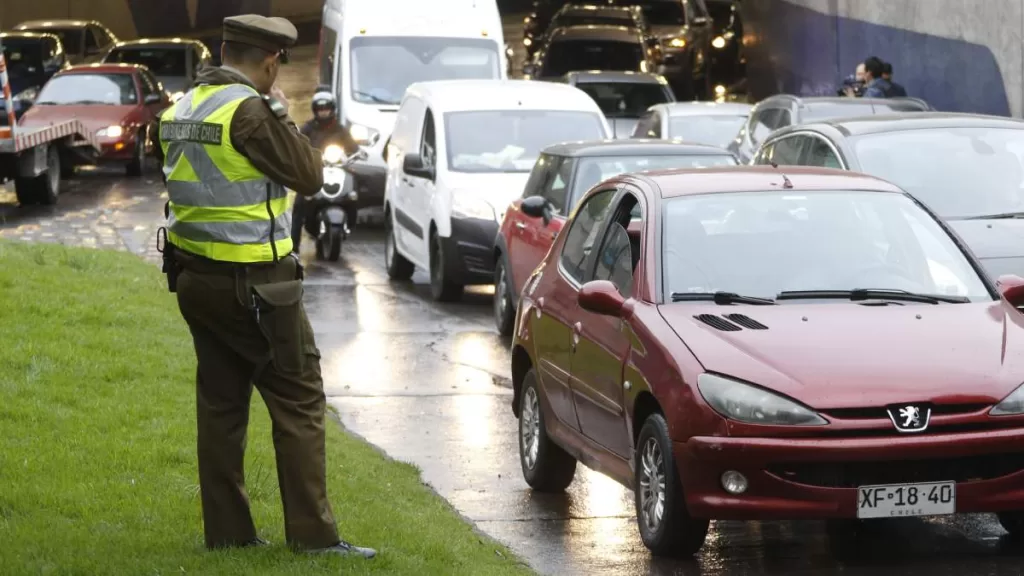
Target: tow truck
[(32, 158)]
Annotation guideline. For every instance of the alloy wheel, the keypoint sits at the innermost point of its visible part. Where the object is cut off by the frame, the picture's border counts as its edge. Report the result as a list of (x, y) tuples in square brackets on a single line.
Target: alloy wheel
[(501, 294), (652, 485), (529, 428)]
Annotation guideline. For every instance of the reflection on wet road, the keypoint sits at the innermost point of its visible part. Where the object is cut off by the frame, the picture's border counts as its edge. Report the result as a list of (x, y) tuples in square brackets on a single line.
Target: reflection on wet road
[(429, 384)]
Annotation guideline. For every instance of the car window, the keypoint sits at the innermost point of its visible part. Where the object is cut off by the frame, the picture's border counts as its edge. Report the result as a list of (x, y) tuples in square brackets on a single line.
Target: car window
[(620, 252), (785, 151), (539, 175), (762, 124), (821, 154), (428, 148), (91, 40), (783, 119), (556, 189), (715, 129), (102, 37), (573, 55), (579, 243), (327, 47), (624, 99)]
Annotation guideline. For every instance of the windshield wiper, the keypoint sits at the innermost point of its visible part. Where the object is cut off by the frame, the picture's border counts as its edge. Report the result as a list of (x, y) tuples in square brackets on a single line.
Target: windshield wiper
[(376, 99), (1002, 216), (721, 298), (859, 294)]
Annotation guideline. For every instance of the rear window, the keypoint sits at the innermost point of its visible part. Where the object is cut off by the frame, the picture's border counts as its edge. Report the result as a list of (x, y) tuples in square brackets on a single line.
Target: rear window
[(580, 55), (70, 37), (23, 55), (663, 13), (160, 61), (624, 99)]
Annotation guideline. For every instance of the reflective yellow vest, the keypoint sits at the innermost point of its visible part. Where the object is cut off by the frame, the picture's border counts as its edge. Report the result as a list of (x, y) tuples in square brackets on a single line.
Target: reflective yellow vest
[(221, 206)]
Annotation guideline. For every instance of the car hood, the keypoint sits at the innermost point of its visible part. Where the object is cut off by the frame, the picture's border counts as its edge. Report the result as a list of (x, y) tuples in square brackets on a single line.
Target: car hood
[(94, 117), (380, 119), (846, 355), (622, 127), (999, 244), (499, 189)]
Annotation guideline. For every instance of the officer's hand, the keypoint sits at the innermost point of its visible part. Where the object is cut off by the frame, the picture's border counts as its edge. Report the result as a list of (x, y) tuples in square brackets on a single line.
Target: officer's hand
[(278, 95)]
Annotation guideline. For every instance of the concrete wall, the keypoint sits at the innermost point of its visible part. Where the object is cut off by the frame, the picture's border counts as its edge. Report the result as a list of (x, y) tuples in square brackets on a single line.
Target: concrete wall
[(959, 55)]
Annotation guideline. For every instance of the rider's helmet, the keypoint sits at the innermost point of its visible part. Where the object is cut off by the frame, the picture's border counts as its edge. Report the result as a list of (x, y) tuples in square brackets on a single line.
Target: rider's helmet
[(325, 108)]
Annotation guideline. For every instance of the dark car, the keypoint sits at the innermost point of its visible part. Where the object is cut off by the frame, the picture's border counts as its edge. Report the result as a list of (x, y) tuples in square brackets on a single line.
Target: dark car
[(118, 102), (84, 40), (783, 110), (750, 344), (684, 31), (174, 61), (728, 59), (968, 169), (32, 58), (561, 176), (594, 14), (585, 48), (622, 96), (538, 23)]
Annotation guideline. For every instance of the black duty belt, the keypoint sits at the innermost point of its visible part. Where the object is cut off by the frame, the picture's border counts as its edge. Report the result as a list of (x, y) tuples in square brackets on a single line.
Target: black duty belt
[(203, 265)]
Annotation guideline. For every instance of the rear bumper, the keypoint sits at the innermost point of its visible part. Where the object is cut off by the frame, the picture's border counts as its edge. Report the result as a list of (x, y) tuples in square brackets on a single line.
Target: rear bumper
[(369, 183), (818, 478), (471, 250)]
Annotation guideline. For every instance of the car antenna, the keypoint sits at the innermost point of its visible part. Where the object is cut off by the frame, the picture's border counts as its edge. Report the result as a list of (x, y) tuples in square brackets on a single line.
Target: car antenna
[(785, 179)]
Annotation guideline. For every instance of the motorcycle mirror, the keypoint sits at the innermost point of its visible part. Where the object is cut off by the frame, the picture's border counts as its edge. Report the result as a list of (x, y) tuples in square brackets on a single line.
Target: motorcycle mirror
[(360, 155)]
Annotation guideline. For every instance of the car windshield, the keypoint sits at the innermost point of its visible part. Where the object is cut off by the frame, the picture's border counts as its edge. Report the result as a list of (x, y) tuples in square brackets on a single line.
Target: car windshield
[(383, 67), (579, 55), (763, 243), (109, 89), (663, 13), (160, 61), (597, 169), (721, 14), (23, 56), (624, 99), (512, 139), (957, 172), (714, 130), (826, 110), (71, 38)]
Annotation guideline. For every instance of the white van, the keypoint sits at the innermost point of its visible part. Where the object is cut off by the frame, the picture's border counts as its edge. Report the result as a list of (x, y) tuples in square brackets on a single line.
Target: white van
[(372, 50), (460, 153)]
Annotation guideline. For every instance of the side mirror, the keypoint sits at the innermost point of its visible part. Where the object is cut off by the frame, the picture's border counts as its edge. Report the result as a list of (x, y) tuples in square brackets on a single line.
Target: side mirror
[(373, 139), (1012, 288), (601, 297), (152, 99), (413, 165), (537, 207)]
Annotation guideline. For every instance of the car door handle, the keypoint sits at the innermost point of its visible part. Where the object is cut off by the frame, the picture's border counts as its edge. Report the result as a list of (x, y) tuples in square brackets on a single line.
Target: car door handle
[(520, 226), (406, 180), (576, 329)]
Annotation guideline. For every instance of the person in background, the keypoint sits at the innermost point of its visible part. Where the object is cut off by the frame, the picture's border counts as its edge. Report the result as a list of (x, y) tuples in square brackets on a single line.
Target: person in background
[(877, 86), (853, 86), (898, 91)]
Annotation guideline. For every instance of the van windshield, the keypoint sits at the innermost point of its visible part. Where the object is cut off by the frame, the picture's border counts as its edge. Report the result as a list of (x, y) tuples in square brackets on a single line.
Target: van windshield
[(383, 67)]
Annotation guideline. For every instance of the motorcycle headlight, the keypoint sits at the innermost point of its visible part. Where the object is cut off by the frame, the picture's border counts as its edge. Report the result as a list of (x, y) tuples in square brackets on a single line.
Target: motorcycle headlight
[(360, 133), (465, 205), (1011, 405), (333, 154), (27, 95), (110, 132), (718, 42), (752, 405)]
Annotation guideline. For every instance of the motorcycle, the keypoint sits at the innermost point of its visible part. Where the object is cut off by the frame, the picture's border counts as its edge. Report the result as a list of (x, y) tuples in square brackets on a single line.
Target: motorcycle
[(331, 212)]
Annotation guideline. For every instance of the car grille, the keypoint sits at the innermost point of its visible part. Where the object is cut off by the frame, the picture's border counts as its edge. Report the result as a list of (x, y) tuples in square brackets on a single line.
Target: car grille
[(880, 413), (853, 474)]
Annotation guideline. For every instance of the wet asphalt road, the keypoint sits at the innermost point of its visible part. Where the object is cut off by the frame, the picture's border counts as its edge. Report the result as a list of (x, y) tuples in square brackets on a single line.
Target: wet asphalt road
[(428, 384)]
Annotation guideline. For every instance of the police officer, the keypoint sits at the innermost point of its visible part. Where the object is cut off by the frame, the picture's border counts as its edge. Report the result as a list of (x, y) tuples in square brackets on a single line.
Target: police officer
[(229, 150), (323, 130)]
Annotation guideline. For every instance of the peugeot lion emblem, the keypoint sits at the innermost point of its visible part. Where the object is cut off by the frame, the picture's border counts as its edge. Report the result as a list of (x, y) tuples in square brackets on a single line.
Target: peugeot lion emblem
[(909, 417)]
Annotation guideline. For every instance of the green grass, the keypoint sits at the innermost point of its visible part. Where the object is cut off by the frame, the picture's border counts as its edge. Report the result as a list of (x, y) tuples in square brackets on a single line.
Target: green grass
[(97, 443)]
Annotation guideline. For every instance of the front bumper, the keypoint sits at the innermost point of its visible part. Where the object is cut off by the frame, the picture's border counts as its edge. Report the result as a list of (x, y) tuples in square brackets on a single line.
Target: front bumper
[(470, 250), (370, 180), (796, 478)]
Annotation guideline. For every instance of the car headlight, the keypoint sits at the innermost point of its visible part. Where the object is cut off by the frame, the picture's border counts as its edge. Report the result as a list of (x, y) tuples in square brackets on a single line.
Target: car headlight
[(718, 42), (28, 94), (333, 154), (752, 405), (110, 132), (465, 205), (677, 43), (360, 133), (1011, 405), (177, 96)]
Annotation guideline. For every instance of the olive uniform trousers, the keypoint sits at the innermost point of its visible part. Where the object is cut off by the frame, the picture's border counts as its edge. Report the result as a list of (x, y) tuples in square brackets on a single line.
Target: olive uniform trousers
[(249, 327)]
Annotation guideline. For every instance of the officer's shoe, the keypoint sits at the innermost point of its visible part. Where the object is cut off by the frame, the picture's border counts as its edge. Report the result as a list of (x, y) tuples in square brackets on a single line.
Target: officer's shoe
[(343, 548)]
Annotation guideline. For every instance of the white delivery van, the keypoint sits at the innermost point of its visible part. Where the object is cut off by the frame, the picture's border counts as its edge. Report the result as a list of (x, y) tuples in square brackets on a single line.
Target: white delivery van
[(372, 50), (461, 152)]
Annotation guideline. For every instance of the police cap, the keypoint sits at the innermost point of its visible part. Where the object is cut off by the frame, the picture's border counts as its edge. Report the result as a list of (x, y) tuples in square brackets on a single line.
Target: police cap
[(271, 34)]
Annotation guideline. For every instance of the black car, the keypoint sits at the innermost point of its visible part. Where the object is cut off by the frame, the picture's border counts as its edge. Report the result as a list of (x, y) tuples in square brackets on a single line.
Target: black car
[(538, 23), (593, 14), (622, 96), (84, 41), (32, 58), (684, 31), (728, 60), (968, 169), (783, 110), (174, 61), (585, 48)]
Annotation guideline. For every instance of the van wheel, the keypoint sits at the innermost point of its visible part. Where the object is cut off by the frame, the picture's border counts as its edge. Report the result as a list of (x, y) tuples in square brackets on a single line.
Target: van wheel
[(546, 466), (42, 189), (398, 267), (442, 288), (504, 311), (666, 527)]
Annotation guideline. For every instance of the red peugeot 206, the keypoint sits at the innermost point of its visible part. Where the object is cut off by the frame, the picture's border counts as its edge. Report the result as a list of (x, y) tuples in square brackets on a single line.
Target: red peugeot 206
[(769, 345), (120, 102)]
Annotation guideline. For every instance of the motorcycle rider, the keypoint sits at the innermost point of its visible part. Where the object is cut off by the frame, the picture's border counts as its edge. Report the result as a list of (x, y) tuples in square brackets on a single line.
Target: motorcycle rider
[(322, 131)]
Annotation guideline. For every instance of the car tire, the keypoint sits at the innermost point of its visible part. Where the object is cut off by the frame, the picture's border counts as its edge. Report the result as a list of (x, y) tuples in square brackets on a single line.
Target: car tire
[(546, 466), (665, 524), (442, 288), (398, 267), (1013, 522), (42, 189), (138, 162), (504, 310)]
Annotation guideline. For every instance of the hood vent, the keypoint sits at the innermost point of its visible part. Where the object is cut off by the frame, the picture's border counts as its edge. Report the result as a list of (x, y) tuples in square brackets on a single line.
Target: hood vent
[(738, 322), (746, 321)]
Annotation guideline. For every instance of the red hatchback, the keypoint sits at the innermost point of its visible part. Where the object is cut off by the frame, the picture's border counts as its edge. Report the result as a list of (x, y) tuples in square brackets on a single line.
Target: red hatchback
[(769, 345), (120, 102)]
